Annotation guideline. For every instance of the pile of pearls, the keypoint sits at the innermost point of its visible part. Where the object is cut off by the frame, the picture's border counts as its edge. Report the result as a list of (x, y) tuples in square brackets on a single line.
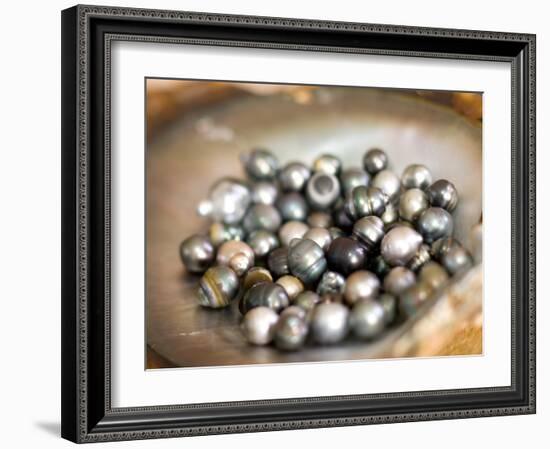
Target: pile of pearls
[(317, 254)]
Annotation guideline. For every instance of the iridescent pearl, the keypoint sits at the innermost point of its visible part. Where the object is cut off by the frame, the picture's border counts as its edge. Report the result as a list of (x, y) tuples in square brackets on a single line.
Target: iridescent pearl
[(258, 325), (237, 255), (398, 280), (456, 260), (442, 193), (331, 283), (400, 245), (365, 201), (389, 303), (319, 220), (341, 218), (240, 263), (412, 203), (435, 223), (390, 215), (367, 319), (290, 332), (369, 232), (266, 294), (294, 176), (292, 230), (434, 275), (388, 182), (416, 176), (296, 311), (361, 285), (322, 191), (197, 253), (262, 216), (329, 323), (321, 236), (375, 160), (306, 261), (327, 163), (414, 297), (421, 257), (254, 276), (292, 285), (277, 262), (346, 255), (260, 164), (221, 232), (307, 300), (262, 243), (227, 201), (292, 206), (353, 177), (218, 287), (264, 193)]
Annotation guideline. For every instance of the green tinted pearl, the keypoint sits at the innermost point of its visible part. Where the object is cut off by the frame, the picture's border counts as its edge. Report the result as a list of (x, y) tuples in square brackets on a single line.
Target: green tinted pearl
[(365, 201), (353, 177), (306, 261), (266, 294)]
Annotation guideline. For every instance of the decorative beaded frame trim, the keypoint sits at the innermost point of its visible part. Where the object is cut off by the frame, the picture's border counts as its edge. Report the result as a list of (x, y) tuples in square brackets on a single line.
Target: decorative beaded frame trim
[(84, 15)]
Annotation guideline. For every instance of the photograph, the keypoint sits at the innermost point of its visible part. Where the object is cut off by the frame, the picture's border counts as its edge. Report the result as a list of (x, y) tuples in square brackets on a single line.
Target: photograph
[(294, 223)]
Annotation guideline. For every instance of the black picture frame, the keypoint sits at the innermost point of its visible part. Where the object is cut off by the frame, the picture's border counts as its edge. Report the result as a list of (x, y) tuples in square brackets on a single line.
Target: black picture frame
[(87, 33)]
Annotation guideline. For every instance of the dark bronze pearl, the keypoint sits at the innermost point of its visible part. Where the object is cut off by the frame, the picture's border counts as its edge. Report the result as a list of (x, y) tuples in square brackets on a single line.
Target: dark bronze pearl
[(332, 283), (435, 223), (322, 191), (327, 163), (277, 262), (375, 160), (319, 220), (353, 177), (262, 243), (266, 294), (306, 261), (346, 255), (292, 207), (290, 332), (262, 216), (260, 164), (197, 253), (294, 176), (421, 257), (218, 287), (365, 201), (414, 297), (442, 193), (369, 232)]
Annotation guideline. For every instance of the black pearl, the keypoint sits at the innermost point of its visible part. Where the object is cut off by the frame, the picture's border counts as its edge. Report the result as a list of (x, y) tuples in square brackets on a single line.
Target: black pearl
[(389, 183), (262, 243), (369, 232), (322, 191), (294, 176), (290, 332), (379, 266), (367, 319), (220, 233), (329, 323), (197, 253), (262, 216), (421, 257), (327, 163), (389, 303), (277, 262), (306, 261), (331, 283), (265, 294), (442, 193), (365, 201), (319, 220), (413, 298), (375, 160), (400, 245), (416, 176), (345, 255), (341, 218), (264, 193), (435, 223), (218, 287), (398, 280), (353, 177), (292, 206), (260, 164)]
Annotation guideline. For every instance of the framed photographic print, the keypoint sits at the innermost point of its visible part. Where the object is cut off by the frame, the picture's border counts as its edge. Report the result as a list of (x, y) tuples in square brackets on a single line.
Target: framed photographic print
[(276, 224)]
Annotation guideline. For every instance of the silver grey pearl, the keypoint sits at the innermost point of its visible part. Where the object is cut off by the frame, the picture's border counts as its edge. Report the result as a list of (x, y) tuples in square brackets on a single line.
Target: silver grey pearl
[(266, 294), (361, 285), (327, 163), (414, 297), (367, 319), (421, 257), (400, 245), (292, 207), (319, 220), (475, 242), (306, 261), (237, 255), (294, 176), (416, 176), (331, 283), (456, 260), (435, 223), (322, 190), (197, 253), (262, 216), (264, 193), (260, 164), (262, 243), (228, 201), (321, 236), (369, 232), (353, 177), (375, 160), (292, 230), (292, 285), (365, 201), (218, 287), (390, 215), (389, 183), (290, 332), (442, 193), (329, 323), (412, 203), (389, 303), (258, 325), (221, 232), (277, 262), (307, 300), (434, 275), (398, 280), (296, 311)]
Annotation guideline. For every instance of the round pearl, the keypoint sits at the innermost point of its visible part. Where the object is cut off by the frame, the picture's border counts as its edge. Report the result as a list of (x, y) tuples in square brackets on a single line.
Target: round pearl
[(400, 245), (329, 323), (266, 294), (456, 260), (369, 232), (434, 275), (307, 300), (353, 177), (367, 319), (296, 311), (412, 203), (442, 193), (306, 261), (292, 206), (218, 287), (262, 216), (435, 223), (388, 182), (262, 243), (290, 332), (292, 230), (322, 190), (361, 285), (227, 252), (365, 201), (327, 163), (264, 193), (197, 253), (277, 261), (331, 283), (260, 164), (292, 285), (254, 276), (345, 255), (321, 236), (319, 220), (398, 280), (293, 177), (414, 297), (227, 201), (375, 160), (416, 176), (258, 325), (221, 232), (389, 303)]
